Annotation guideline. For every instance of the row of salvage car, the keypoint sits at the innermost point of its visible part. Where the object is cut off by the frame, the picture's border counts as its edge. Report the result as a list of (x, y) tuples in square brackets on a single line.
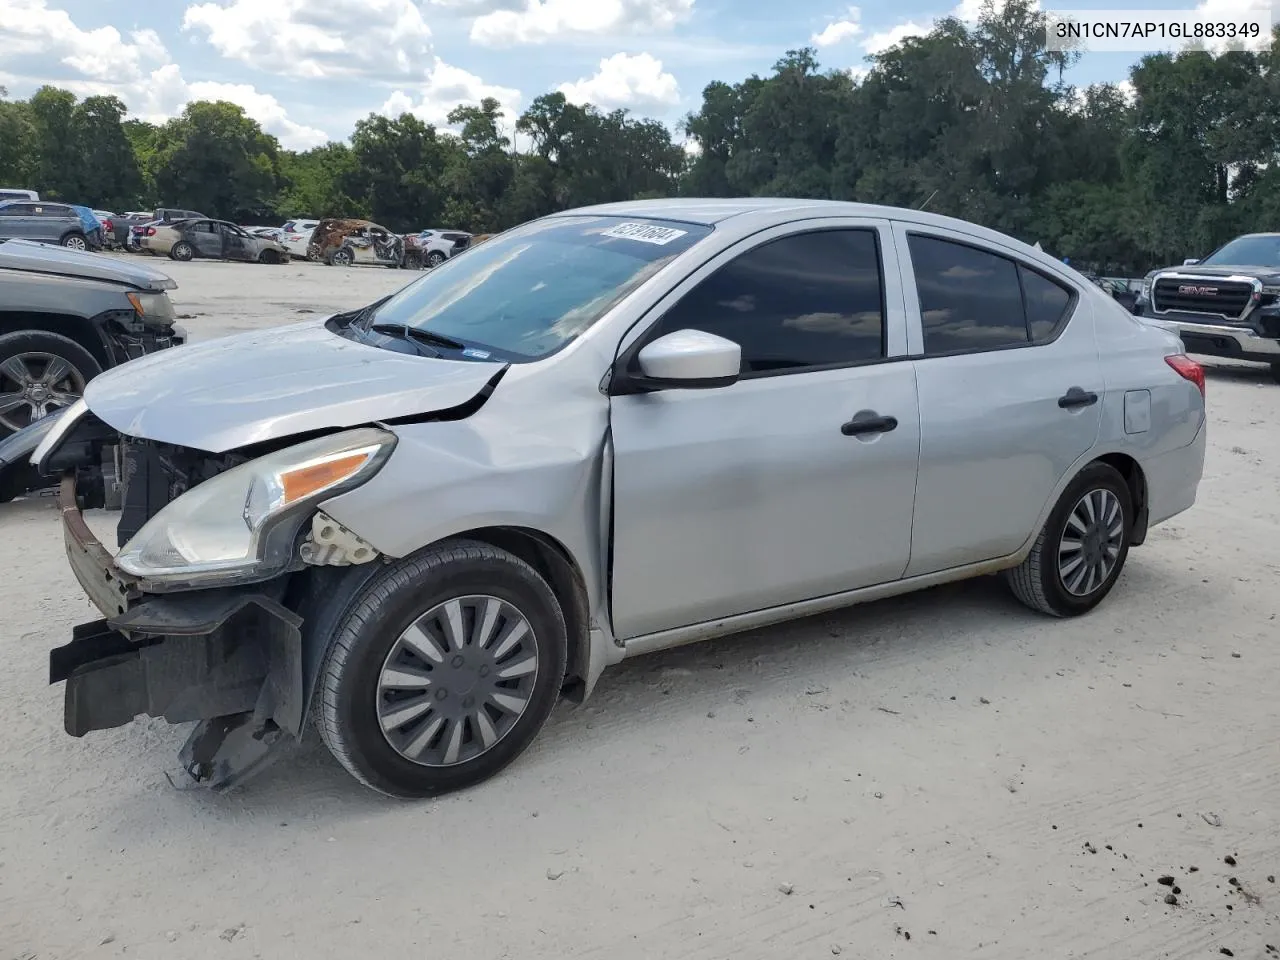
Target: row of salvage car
[(333, 241)]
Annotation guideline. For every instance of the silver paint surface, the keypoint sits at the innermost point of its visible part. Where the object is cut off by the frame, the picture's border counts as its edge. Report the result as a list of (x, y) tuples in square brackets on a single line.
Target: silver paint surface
[(726, 508)]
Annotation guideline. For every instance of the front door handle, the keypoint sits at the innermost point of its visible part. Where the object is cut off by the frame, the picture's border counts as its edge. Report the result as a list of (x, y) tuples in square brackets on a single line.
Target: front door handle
[(1075, 397), (868, 421)]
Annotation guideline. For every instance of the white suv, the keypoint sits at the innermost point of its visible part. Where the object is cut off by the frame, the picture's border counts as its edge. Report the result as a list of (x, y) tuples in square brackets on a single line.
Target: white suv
[(296, 234)]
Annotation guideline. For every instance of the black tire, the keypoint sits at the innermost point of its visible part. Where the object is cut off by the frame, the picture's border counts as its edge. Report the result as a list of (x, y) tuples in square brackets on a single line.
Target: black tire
[(342, 257), (85, 365), (347, 700), (1038, 581), (75, 240), (1275, 372), (435, 258), (182, 251)]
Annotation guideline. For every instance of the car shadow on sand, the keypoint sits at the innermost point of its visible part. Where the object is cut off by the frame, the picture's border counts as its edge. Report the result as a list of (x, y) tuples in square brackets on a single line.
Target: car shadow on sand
[(770, 666)]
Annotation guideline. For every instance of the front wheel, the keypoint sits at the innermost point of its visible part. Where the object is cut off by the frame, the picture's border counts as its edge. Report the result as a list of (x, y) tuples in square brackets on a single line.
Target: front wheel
[(435, 258), (1275, 372), (1080, 552), (444, 671)]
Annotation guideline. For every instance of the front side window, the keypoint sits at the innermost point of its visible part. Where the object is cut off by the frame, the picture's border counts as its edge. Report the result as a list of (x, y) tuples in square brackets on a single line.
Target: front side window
[(798, 302), (530, 291)]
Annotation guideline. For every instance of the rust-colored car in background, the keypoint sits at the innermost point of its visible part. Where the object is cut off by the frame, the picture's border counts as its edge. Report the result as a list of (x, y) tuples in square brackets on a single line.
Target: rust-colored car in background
[(346, 242)]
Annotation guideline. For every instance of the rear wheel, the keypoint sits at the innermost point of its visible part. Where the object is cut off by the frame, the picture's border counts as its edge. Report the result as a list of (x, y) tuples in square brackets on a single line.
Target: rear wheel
[(40, 373), (75, 241), (1080, 552), (1275, 371), (444, 672), (342, 257), (182, 251)]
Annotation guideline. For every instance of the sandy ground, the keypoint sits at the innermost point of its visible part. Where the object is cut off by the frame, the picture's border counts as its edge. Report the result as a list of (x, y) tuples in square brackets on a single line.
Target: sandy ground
[(943, 775)]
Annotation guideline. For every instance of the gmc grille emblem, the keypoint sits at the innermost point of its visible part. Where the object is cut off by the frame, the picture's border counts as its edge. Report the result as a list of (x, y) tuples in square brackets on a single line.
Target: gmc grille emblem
[(1194, 291)]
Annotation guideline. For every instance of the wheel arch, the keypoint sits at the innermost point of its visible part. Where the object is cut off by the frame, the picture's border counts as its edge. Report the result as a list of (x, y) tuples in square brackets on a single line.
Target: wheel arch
[(1136, 480), (556, 564), (74, 327)]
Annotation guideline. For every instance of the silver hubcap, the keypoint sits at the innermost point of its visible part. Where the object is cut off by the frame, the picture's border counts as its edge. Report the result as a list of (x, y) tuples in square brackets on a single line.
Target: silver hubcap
[(33, 385), (1090, 545), (75, 243), (457, 680)]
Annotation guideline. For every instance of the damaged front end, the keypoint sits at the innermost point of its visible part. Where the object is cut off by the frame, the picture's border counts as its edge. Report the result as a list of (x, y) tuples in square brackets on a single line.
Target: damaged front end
[(214, 615)]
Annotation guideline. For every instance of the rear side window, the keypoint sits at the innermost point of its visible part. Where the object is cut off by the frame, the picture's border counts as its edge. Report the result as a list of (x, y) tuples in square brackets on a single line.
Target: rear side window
[(53, 210), (973, 300), (795, 303), (1047, 303)]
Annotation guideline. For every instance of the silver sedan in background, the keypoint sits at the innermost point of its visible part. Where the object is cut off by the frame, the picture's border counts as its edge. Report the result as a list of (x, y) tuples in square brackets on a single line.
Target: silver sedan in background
[(606, 432)]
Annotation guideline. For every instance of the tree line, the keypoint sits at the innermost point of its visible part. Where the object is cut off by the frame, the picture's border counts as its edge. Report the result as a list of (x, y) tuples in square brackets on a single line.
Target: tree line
[(973, 120)]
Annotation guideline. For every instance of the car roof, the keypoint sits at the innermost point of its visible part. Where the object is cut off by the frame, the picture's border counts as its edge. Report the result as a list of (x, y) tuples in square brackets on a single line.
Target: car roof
[(709, 211)]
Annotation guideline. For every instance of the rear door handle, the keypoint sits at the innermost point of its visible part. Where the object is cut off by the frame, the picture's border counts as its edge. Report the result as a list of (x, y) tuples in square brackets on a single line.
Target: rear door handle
[(1075, 397), (868, 421)]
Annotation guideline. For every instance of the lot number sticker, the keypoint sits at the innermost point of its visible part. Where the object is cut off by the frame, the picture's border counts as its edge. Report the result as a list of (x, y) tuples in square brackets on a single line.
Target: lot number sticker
[(644, 233)]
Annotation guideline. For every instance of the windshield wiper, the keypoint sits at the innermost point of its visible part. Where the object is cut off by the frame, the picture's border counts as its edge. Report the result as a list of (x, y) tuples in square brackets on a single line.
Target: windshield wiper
[(422, 336)]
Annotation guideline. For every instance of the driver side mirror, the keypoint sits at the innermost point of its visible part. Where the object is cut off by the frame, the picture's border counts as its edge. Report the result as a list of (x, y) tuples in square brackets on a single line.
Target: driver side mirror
[(687, 360), (1190, 261)]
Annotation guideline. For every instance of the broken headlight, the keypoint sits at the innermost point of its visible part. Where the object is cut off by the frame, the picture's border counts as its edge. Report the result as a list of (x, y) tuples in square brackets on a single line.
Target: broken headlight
[(241, 525)]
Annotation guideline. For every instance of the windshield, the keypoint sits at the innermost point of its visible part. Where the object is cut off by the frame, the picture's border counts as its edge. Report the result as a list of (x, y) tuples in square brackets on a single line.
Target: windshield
[(527, 293), (1248, 251)]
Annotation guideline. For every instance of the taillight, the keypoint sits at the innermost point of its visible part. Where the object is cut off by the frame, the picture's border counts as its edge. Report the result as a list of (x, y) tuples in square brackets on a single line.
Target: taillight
[(151, 231), (108, 225), (1188, 369)]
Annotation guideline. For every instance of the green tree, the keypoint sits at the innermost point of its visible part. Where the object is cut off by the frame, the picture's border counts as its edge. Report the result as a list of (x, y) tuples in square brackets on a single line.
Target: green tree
[(215, 159), (110, 175)]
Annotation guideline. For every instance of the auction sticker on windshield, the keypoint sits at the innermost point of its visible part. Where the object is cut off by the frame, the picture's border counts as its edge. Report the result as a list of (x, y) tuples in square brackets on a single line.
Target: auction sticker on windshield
[(644, 232)]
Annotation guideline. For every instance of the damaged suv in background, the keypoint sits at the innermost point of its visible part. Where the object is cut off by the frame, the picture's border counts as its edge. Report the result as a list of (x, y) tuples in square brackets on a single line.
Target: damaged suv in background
[(600, 434), (65, 316)]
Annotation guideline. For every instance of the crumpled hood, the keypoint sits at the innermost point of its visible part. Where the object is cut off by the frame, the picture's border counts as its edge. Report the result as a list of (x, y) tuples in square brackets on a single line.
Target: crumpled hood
[(227, 393)]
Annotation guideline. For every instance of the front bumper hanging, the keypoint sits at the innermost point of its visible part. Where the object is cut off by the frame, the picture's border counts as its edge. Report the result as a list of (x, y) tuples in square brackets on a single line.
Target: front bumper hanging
[(230, 659)]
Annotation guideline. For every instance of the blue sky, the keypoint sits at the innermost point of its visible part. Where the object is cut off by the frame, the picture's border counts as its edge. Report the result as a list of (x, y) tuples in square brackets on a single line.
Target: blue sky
[(308, 69)]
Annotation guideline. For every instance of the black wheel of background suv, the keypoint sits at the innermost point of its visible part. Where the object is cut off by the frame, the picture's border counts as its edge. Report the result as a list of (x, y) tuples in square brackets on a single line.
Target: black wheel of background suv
[(1275, 372), (40, 373), (1080, 552), (75, 241), (443, 672), (435, 258)]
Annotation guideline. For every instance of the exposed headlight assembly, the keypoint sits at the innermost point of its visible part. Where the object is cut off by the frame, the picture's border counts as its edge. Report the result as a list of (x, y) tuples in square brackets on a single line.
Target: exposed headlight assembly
[(241, 526), (1146, 289)]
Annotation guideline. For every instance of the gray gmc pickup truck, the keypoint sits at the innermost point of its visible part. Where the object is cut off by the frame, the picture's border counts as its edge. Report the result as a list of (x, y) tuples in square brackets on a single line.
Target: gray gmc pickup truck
[(1225, 305)]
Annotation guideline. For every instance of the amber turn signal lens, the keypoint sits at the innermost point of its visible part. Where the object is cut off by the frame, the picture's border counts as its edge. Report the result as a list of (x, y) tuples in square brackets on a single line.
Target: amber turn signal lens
[(307, 480)]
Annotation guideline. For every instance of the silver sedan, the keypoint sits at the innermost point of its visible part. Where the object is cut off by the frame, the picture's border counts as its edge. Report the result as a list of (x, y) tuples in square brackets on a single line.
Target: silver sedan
[(603, 433)]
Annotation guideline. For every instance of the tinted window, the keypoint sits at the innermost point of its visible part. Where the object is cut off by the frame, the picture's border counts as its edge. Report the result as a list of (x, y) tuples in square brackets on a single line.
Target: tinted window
[(1046, 301), (16, 210), (1260, 251), (969, 299), (810, 300), (528, 292), (53, 210)]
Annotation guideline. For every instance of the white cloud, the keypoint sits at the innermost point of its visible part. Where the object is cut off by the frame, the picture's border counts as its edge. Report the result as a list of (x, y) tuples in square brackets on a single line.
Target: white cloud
[(45, 46), (625, 81), (857, 74), (882, 41), (264, 108), (542, 20), (317, 38), (1235, 11), (444, 88), (838, 31)]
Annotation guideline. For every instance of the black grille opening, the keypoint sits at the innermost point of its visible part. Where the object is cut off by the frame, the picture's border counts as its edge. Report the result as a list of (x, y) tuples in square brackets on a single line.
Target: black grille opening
[(1222, 298)]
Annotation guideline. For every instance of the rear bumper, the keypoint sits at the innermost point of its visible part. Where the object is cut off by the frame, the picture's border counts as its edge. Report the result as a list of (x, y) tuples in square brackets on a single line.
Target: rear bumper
[(1174, 477), (230, 659)]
